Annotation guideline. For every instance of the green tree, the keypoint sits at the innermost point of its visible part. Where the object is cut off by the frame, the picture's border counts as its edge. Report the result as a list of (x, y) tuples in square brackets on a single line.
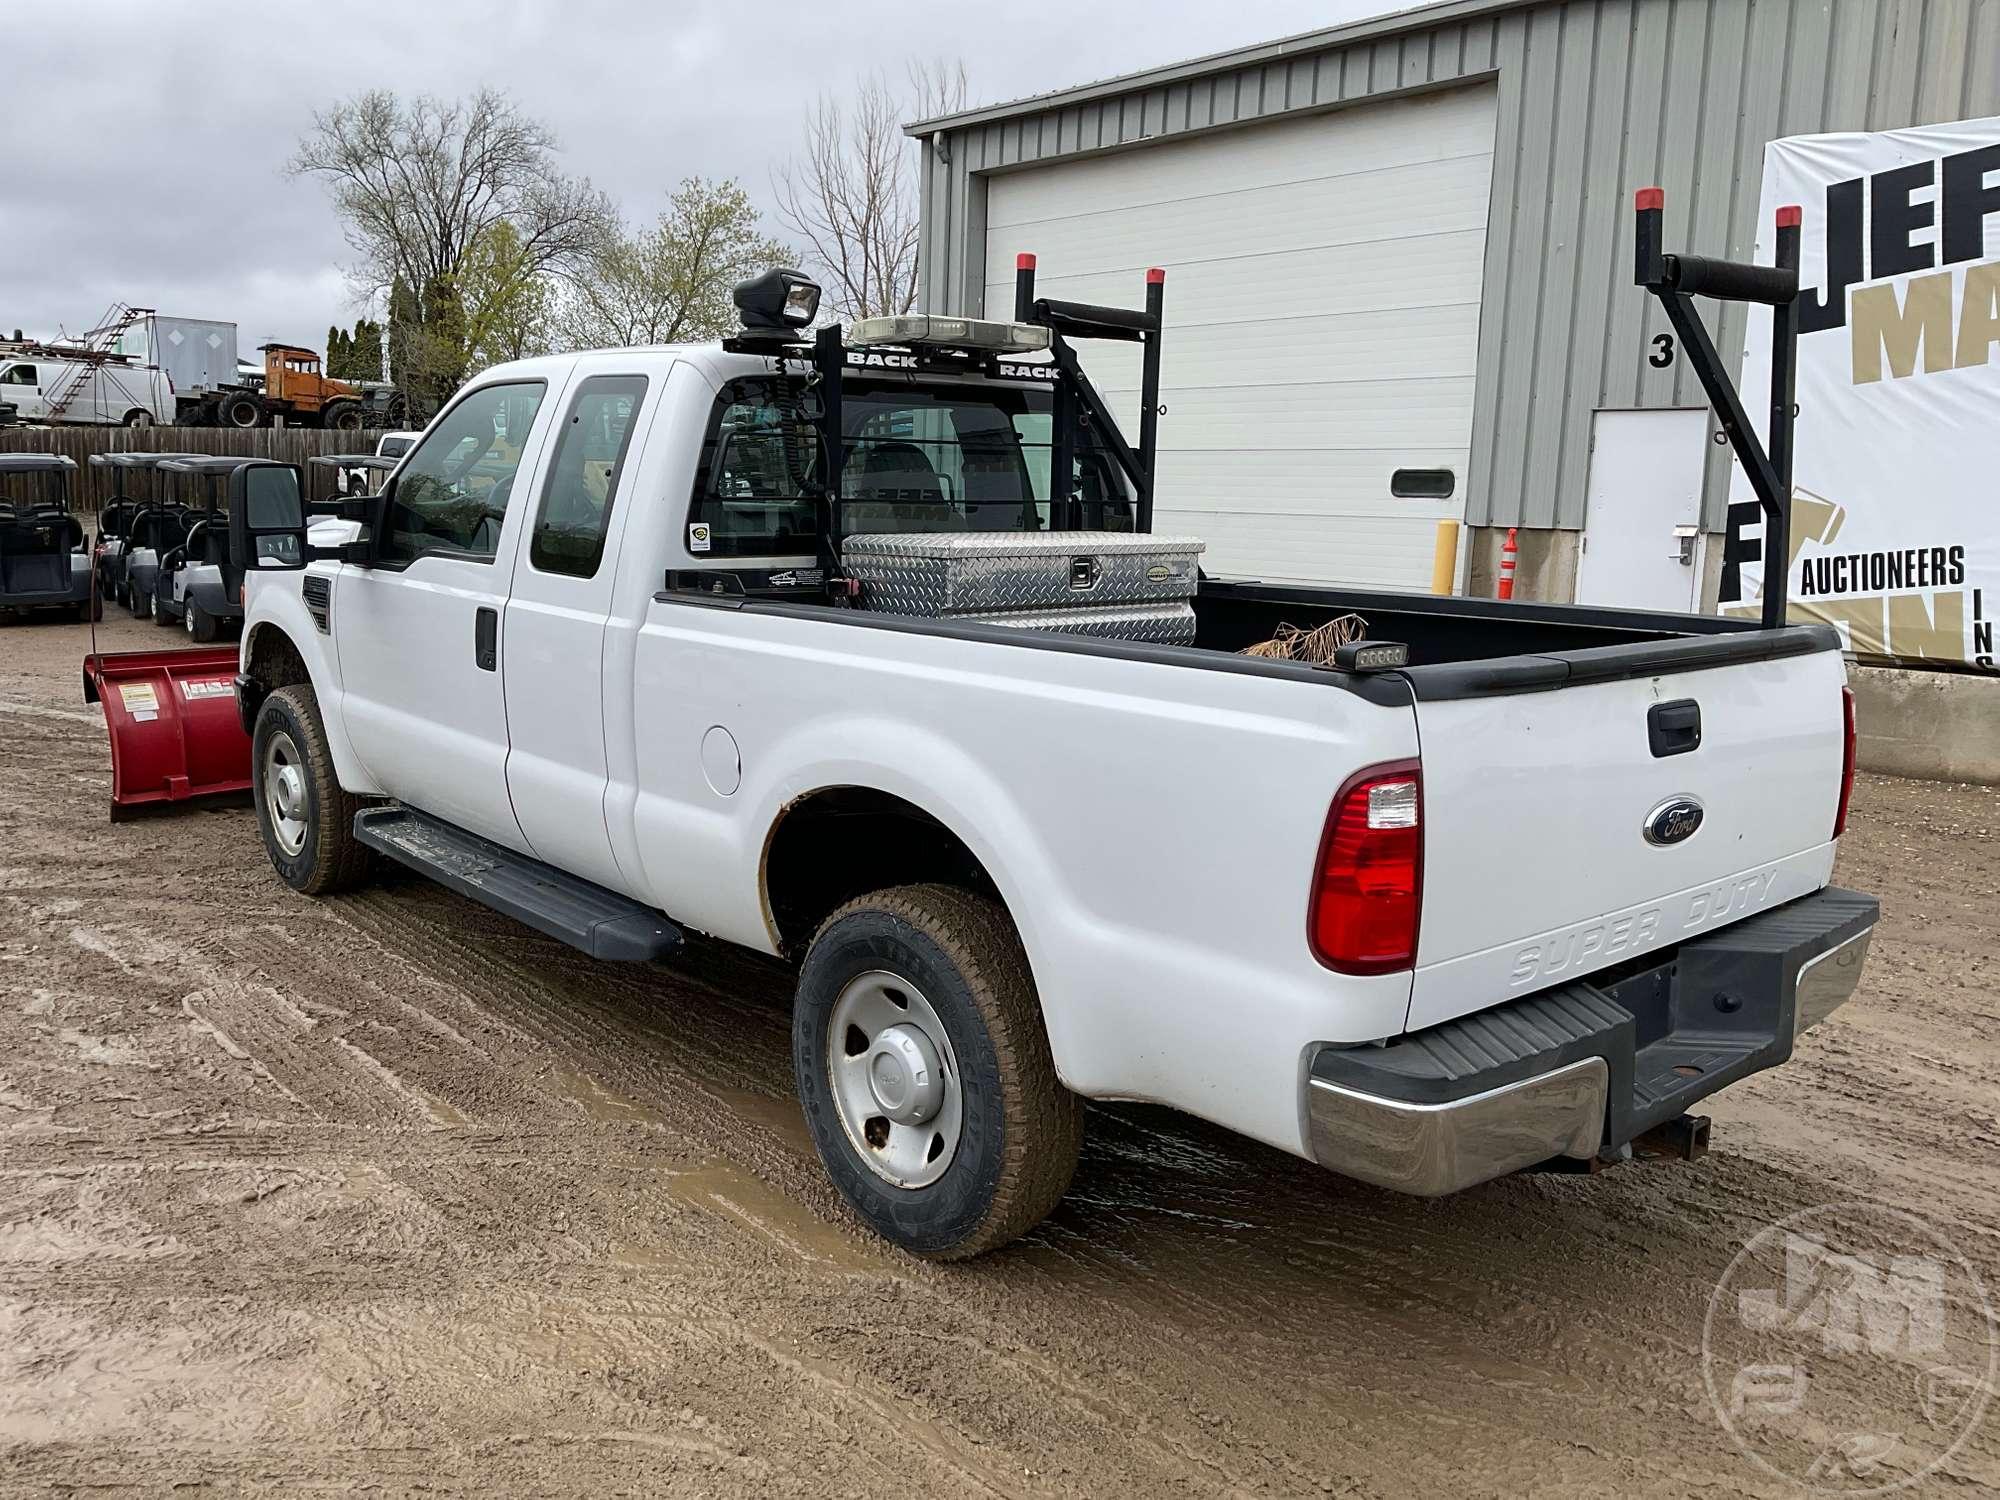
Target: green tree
[(336, 354), (505, 302), (364, 347), (672, 280)]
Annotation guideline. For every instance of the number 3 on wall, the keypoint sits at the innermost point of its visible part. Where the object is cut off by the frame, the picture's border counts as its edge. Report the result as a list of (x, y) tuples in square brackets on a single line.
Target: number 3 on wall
[(1663, 351)]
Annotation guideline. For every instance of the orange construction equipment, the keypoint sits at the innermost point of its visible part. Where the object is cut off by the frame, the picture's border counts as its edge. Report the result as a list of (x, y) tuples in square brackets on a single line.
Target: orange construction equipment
[(1508, 554)]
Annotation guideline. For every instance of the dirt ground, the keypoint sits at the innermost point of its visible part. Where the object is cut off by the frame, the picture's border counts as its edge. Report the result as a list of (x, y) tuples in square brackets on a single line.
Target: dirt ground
[(389, 1194)]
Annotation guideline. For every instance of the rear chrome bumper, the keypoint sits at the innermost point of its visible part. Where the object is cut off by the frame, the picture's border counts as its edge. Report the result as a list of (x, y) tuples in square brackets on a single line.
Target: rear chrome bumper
[(1434, 1149), (1580, 1070)]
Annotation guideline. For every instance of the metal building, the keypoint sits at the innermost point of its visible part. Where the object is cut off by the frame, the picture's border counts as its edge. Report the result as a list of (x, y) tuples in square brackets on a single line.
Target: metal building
[(1403, 246)]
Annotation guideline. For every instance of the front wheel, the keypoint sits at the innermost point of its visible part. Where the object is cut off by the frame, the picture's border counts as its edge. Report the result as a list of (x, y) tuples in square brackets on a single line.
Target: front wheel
[(305, 816), (925, 1074), (156, 604)]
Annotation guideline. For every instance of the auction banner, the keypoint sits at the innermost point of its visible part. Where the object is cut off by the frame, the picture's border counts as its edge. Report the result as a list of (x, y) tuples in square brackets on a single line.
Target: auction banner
[(1896, 501)]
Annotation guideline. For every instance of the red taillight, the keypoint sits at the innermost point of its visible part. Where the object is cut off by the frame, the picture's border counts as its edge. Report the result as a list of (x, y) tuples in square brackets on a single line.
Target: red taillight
[(1846, 759), (1369, 884)]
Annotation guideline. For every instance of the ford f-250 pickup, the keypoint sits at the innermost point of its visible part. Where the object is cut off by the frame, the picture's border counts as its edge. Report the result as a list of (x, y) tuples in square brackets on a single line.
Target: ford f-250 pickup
[(1500, 887)]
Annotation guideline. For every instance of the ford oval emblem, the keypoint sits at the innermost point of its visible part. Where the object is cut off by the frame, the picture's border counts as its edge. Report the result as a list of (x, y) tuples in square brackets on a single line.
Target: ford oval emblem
[(1673, 821)]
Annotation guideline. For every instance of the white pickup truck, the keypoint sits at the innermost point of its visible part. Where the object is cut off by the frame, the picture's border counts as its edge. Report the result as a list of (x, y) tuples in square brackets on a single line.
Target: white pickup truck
[(1509, 887)]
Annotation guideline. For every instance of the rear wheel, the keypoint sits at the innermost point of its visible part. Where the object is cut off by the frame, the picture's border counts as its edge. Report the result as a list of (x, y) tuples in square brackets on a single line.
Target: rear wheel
[(240, 409), (138, 418), (201, 625), (306, 819), (925, 1075), (342, 416), (156, 604)]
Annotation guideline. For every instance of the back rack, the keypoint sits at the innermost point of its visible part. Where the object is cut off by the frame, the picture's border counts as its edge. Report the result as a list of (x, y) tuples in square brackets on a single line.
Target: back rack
[(1077, 402), (1676, 280)]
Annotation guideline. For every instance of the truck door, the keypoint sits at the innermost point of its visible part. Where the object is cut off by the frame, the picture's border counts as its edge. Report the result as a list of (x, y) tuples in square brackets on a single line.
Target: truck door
[(21, 385), (557, 617), (418, 632)]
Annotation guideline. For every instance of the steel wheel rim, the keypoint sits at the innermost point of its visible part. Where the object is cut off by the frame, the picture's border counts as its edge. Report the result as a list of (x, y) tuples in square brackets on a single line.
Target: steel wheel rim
[(153, 604), (881, 1038), (187, 617), (285, 792)]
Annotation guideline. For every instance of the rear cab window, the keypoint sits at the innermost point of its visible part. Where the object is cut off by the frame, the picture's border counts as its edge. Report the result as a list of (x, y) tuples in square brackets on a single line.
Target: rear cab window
[(575, 511), (974, 457)]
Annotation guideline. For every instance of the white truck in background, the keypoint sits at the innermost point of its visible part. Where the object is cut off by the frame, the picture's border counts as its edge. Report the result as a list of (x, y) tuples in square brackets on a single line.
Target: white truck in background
[(1499, 887), (44, 386)]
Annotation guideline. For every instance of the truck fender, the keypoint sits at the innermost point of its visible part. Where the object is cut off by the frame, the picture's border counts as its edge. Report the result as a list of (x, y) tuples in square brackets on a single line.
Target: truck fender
[(941, 779), (277, 629)]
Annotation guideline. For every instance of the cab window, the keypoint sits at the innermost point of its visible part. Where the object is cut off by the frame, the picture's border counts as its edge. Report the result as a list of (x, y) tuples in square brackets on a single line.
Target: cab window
[(451, 493), (18, 375), (583, 480), (970, 459)]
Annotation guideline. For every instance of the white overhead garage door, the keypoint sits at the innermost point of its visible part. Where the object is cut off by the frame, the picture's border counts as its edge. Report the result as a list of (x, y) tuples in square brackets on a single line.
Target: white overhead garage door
[(1322, 321)]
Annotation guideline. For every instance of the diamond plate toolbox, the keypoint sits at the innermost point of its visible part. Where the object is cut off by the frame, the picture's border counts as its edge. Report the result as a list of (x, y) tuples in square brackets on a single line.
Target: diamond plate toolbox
[(1161, 624), (957, 574)]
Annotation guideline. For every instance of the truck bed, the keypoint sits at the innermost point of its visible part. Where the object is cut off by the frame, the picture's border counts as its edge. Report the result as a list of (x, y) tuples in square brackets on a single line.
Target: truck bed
[(1462, 647)]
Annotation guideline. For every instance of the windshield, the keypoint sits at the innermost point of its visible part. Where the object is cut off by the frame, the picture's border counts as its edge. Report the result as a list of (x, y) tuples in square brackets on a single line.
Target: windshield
[(955, 458), (35, 490)]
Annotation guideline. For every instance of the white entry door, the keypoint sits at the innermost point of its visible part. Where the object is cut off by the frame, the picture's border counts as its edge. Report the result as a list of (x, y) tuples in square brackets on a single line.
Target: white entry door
[(1641, 549)]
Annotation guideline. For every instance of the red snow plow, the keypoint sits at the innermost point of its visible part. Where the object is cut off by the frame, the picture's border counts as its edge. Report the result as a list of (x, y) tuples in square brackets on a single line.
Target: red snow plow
[(172, 719)]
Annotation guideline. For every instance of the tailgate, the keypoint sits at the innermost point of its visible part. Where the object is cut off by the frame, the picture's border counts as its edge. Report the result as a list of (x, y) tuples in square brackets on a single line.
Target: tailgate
[(1556, 818)]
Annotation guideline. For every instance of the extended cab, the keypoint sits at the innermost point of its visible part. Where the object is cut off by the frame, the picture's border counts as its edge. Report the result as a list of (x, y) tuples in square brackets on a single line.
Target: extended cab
[(1501, 887)]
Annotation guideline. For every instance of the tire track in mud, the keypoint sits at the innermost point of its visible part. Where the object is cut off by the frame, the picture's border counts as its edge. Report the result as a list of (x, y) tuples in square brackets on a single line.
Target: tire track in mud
[(614, 1028), (613, 1021)]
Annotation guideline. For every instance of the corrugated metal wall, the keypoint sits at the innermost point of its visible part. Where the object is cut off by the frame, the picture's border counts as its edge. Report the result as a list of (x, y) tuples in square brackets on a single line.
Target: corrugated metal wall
[(1597, 97)]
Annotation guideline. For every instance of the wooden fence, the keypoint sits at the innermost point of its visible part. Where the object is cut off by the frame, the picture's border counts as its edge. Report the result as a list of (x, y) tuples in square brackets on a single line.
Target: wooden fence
[(91, 487)]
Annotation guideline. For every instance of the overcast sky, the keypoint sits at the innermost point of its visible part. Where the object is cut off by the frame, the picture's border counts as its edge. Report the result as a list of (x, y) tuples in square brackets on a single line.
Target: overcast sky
[(153, 170)]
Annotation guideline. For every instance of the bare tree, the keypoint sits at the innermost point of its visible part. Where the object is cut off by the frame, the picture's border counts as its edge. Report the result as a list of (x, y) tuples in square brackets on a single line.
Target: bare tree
[(423, 185), (670, 282), (852, 197)]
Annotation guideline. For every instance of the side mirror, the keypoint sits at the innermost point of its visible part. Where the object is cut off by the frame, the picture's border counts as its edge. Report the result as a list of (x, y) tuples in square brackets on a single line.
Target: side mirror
[(267, 517)]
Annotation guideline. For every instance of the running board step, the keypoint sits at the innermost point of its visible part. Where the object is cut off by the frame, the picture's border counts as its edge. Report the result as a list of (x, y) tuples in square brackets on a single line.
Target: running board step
[(602, 923)]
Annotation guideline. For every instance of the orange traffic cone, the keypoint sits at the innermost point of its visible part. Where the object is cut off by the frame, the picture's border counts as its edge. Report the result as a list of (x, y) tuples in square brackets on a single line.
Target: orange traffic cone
[(1508, 555)]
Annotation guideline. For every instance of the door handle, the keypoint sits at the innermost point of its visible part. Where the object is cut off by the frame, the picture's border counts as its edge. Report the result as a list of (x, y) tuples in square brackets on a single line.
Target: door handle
[(486, 639)]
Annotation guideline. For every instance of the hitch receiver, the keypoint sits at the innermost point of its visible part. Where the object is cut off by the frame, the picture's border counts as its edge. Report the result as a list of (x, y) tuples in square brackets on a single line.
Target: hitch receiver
[(1682, 1139)]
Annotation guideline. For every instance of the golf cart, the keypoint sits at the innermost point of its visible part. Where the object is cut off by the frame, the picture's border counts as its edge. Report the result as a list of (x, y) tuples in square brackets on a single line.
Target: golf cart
[(195, 583), (117, 516), (159, 525), (44, 554)]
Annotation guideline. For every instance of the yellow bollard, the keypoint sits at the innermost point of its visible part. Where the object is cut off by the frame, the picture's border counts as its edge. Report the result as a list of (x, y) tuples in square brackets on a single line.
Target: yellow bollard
[(1444, 561)]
